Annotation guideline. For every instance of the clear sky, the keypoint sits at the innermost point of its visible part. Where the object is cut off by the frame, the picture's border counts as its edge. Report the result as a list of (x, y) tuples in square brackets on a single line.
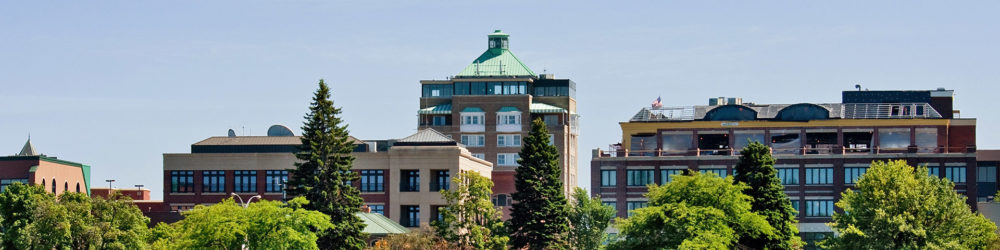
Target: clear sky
[(115, 84)]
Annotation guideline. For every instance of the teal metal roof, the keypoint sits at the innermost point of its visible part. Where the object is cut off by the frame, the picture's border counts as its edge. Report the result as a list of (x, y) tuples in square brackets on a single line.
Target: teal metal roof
[(545, 108), (442, 109), (509, 109), (377, 224), (472, 109), (497, 61)]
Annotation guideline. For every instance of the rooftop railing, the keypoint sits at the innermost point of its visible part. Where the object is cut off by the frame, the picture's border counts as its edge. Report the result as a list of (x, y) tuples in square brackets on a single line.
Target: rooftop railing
[(613, 152)]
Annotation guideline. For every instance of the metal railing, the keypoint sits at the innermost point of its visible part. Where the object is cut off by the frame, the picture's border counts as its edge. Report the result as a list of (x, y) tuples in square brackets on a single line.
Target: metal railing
[(616, 152)]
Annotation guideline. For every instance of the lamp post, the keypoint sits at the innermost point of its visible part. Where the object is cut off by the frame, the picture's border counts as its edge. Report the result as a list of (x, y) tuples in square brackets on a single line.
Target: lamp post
[(247, 204), (109, 184), (139, 186)]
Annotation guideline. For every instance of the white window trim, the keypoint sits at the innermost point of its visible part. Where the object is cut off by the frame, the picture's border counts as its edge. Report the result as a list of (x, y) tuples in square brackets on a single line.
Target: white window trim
[(476, 140), (505, 127), (472, 127), (507, 162), (510, 140)]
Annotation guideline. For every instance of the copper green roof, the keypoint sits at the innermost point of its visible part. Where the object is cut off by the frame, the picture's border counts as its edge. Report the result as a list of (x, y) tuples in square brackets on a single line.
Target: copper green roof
[(545, 108), (509, 109), (442, 109), (496, 61), (377, 224), (472, 109)]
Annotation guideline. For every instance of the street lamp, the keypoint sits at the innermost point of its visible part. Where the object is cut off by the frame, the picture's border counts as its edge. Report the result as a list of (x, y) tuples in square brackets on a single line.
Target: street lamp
[(247, 204), (109, 184)]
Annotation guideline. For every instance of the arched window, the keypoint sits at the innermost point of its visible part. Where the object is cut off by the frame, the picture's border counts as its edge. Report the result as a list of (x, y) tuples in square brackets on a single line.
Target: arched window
[(731, 113), (77, 187), (803, 112), (43, 183), (54, 185), (65, 186)]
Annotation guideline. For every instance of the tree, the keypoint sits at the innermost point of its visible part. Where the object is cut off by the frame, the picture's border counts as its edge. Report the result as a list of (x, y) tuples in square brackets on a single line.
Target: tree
[(17, 210), (696, 211), (119, 222), (416, 239), (262, 225), (894, 206), (539, 214), (323, 173), (756, 170), (470, 221), (588, 219)]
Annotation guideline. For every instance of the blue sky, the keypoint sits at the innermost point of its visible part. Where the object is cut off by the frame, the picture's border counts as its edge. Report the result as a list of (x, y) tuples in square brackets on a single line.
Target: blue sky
[(115, 84)]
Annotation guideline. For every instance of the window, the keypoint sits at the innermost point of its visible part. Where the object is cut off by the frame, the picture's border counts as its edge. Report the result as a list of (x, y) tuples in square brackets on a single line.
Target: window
[(473, 140), (955, 174), (65, 186), (789, 176), (507, 159), (501, 200), (639, 177), (894, 138), (851, 175), (986, 180), (439, 120), (77, 188), (440, 180), (785, 142), (813, 239), (378, 209), (934, 171), (409, 180), (819, 208), (213, 181), (795, 204), (986, 174), (481, 156), (819, 176), (550, 120), (552, 139), (643, 145), (411, 216), (611, 203), (676, 142), (926, 140), (509, 118), (667, 175), (633, 205), (437, 90), (276, 180), (54, 185), (720, 172), (472, 119), (7, 182), (741, 138), (180, 181), (508, 140), (609, 178), (372, 180), (246, 181)]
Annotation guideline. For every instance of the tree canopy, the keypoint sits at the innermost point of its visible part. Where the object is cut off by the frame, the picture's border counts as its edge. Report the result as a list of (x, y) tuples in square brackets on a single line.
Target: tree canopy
[(539, 214), (588, 219), (470, 221), (896, 206), (756, 169), (696, 211), (323, 173)]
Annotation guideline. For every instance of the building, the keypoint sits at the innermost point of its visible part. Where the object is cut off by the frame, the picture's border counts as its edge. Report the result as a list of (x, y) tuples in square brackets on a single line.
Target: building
[(821, 149), (489, 106), (390, 170), (53, 174)]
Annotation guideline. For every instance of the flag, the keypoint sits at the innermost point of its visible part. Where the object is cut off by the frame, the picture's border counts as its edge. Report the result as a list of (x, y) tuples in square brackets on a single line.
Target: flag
[(657, 103)]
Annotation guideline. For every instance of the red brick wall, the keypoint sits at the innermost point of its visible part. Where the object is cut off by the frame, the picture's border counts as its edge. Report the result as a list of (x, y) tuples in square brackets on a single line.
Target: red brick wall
[(960, 137)]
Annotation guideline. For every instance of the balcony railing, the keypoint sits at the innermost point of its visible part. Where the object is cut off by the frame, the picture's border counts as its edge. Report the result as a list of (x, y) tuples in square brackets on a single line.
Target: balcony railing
[(613, 152)]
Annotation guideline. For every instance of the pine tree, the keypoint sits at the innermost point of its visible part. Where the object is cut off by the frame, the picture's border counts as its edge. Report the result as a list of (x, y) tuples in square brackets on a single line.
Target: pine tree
[(540, 211), (756, 170), (323, 173)]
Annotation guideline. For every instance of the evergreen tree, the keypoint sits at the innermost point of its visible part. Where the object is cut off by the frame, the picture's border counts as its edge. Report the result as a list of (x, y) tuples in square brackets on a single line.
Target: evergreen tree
[(323, 174), (756, 170), (539, 215)]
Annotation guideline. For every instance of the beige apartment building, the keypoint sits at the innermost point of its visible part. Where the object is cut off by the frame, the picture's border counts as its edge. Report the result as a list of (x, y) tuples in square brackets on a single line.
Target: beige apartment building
[(400, 179)]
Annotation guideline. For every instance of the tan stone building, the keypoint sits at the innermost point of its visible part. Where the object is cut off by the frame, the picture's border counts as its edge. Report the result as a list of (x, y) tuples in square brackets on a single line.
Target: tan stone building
[(400, 179)]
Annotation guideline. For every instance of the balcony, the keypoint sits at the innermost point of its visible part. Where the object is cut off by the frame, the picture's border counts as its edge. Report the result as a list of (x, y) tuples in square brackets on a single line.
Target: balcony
[(508, 128), (472, 128)]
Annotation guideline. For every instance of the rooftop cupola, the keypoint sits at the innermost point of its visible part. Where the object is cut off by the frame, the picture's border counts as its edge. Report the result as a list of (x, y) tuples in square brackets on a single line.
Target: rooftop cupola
[(497, 61), (498, 41), (28, 149)]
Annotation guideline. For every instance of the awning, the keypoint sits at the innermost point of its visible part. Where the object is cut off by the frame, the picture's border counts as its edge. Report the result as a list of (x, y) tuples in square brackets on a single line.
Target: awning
[(545, 108), (472, 109), (442, 109), (509, 109)]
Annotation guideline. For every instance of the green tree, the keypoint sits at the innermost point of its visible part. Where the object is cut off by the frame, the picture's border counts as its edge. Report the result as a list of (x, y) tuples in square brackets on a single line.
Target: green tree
[(539, 217), (323, 173), (756, 170), (415, 239), (120, 224), (697, 211), (470, 221), (18, 203), (227, 225), (894, 206), (588, 219)]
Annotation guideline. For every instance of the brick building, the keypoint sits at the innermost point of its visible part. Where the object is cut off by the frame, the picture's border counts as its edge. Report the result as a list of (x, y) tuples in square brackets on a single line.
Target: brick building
[(53, 174), (821, 149)]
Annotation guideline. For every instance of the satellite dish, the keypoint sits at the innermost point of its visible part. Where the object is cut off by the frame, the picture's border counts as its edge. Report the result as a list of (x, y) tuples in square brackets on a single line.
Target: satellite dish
[(232, 133), (279, 130)]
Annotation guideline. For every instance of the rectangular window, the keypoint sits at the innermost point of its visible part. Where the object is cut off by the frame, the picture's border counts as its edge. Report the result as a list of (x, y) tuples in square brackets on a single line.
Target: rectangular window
[(785, 142), (437, 90), (473, 140), (213, 181), (667, 175), (276, 180), (610, 203), (639, 177), (926, 140), (788, 176), (372, 180), (550, 120), (409, 180), (508, 140), (507, 159), (934, 171), (501, 200), (819, 208), (986, 174), (481, 156), (477, 88), (894, 138), (7, 182), (742, 138), (439, 121), (378, 209), (720, 172), (955, 174), (461, 88), (509, 118), (440, 180), (472, 119), (819, 176), (851, 175), (795, 205), (552, 139), (609, 178), (633, 205), (643, 145), (411, 216), (181, 181), (245, 181), (675, 142)]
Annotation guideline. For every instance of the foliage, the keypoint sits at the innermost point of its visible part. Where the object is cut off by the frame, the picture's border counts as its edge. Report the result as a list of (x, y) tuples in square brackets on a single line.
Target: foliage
[(470, 221), (756, 170), (227, 225), (539, 217), (588, 218), (894, 206), (323, 173), (417, 239), (74, 221), (697, 211)]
